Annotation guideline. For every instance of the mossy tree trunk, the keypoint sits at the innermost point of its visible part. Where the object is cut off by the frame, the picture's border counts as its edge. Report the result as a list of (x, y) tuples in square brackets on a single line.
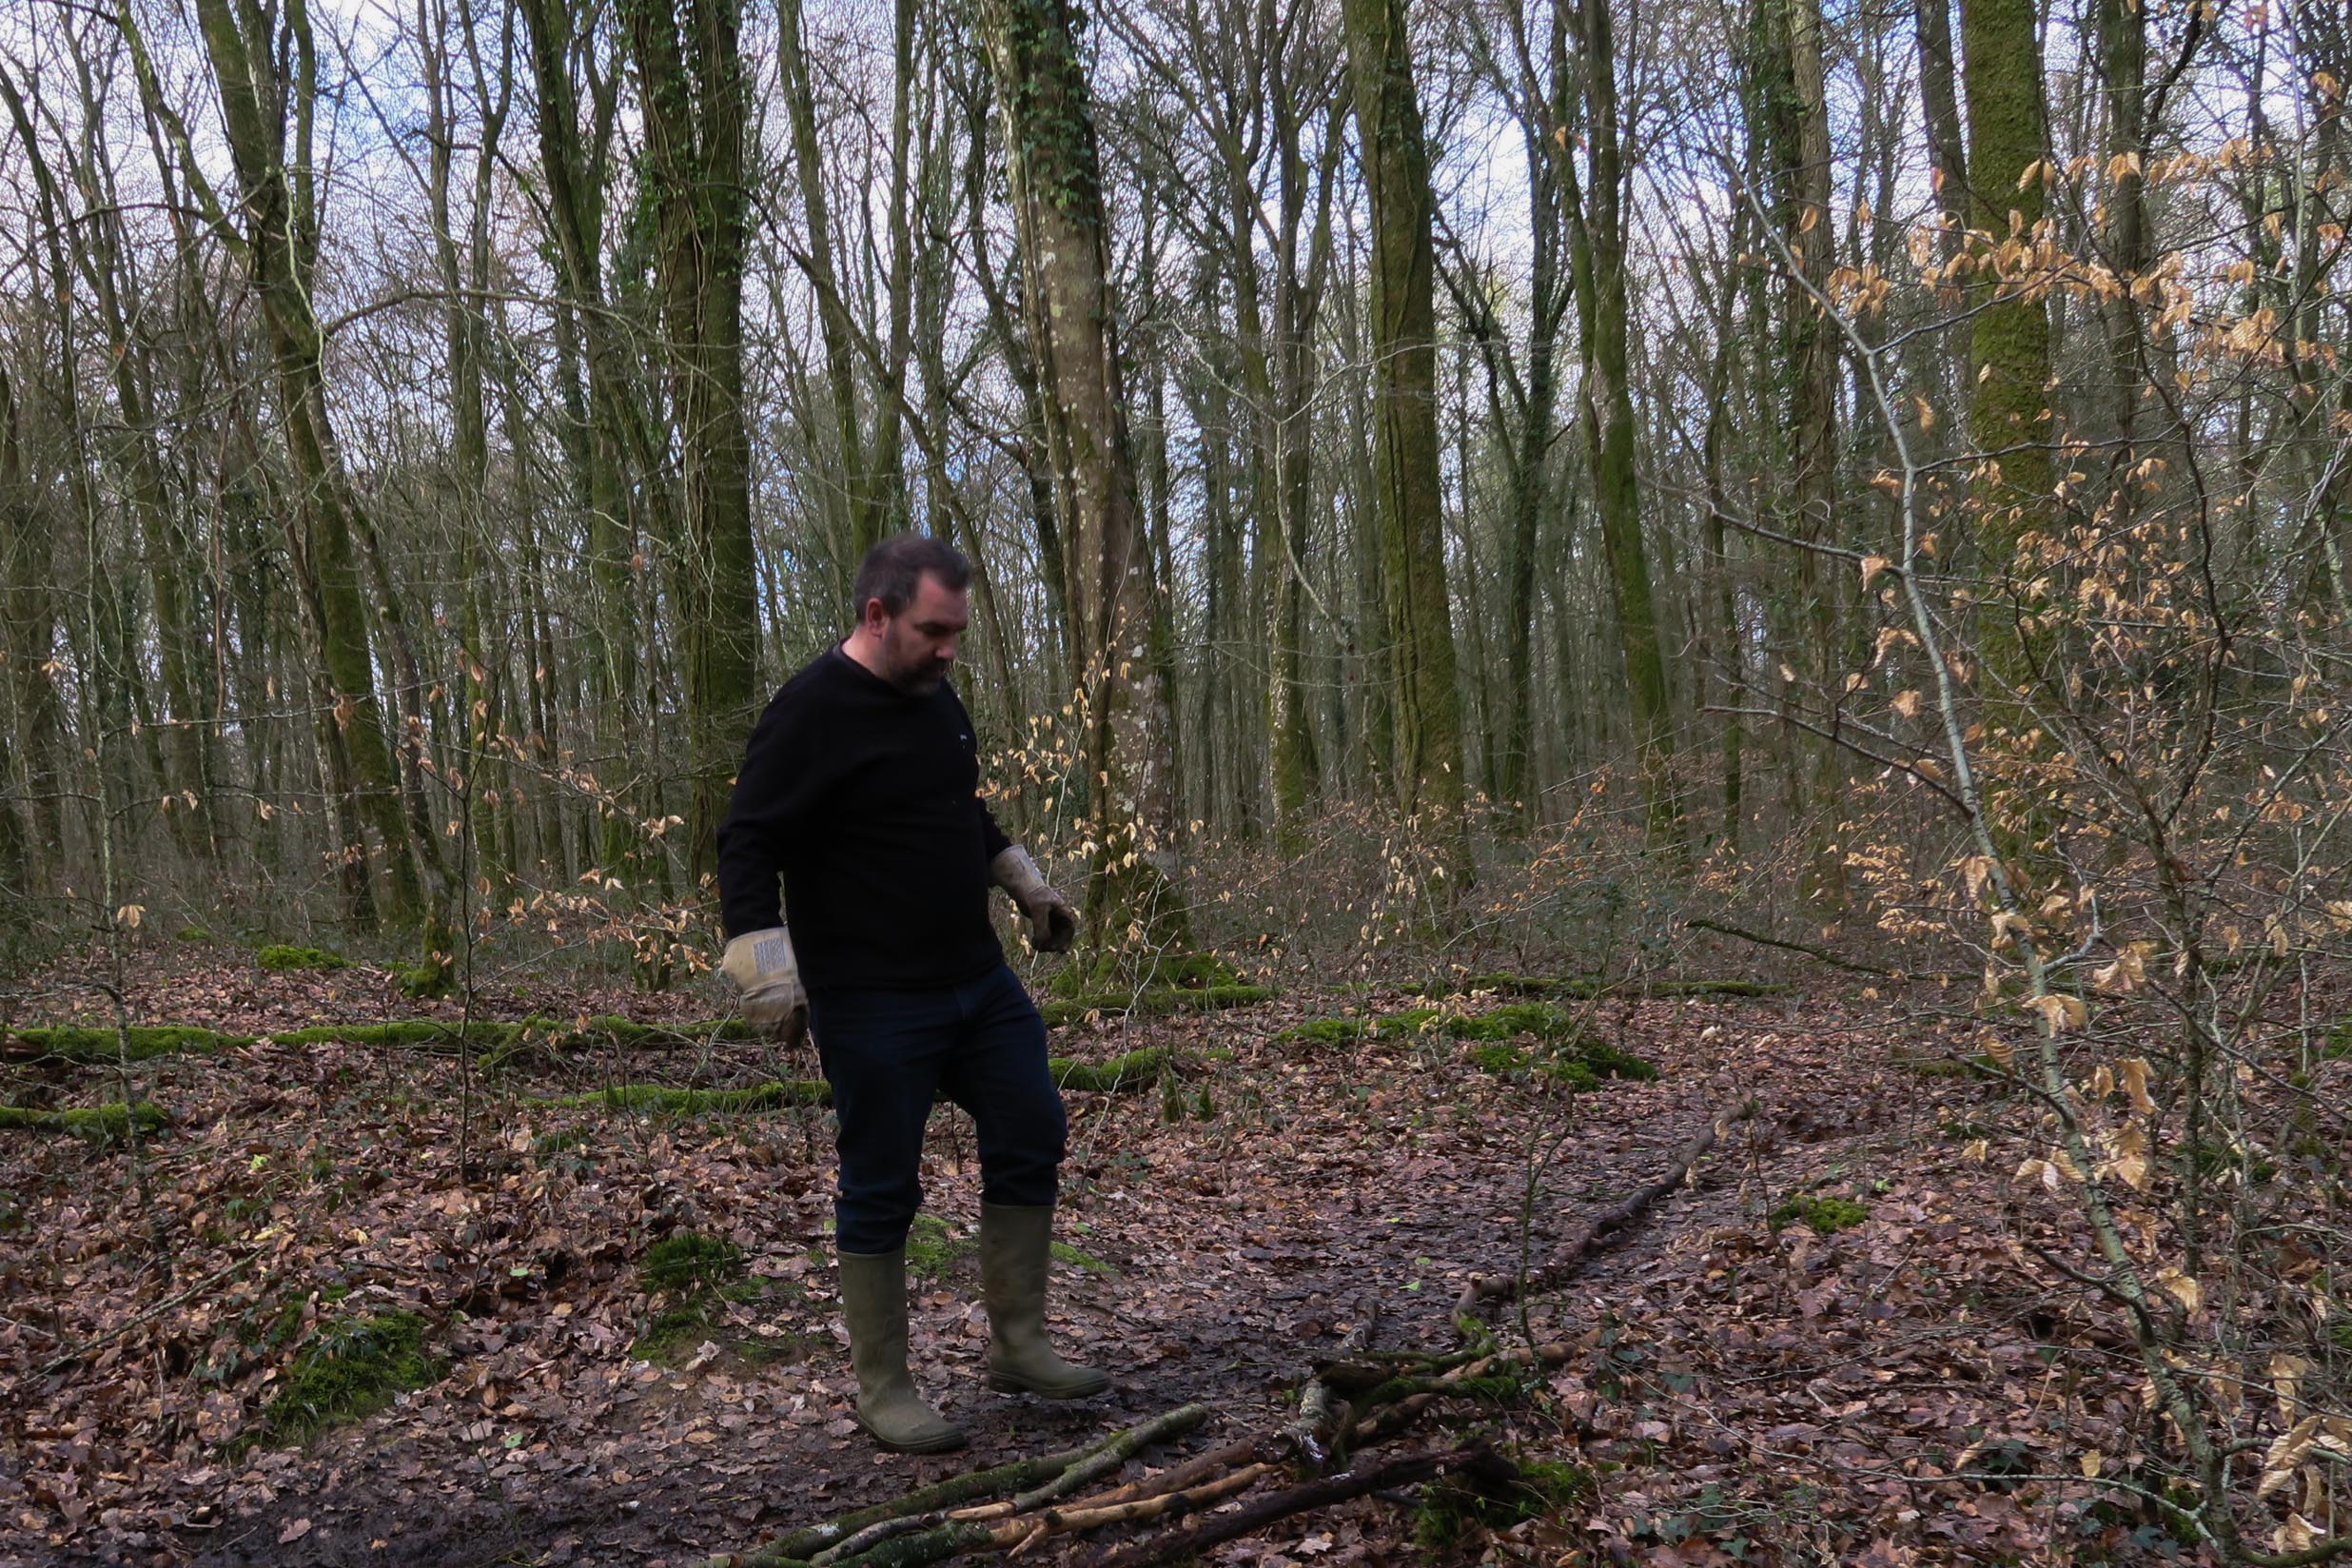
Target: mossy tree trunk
[(1298, 284), (688, 68), (2009, 337), (261, 107), (1595, 207), (857, 494), (1426, 733), (618, 471), (1792, 115), (1135, 896)]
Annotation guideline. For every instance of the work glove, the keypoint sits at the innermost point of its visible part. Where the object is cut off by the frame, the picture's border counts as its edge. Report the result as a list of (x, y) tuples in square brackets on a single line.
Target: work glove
[(1053, 925), (763, 968)]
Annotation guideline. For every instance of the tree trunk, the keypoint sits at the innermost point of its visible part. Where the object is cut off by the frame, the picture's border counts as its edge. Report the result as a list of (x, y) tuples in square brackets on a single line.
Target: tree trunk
[(1597, 262), (1408, 504), (279, 243), (1054, 170), (2009, 341), (690, 77), (864, 510)]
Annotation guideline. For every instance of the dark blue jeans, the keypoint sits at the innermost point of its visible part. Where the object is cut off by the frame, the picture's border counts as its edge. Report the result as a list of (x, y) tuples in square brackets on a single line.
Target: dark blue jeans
[(888, 1053)]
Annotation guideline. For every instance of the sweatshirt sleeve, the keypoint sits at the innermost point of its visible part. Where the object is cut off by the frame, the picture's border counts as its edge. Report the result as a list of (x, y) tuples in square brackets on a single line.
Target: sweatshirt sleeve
[(773, 791)]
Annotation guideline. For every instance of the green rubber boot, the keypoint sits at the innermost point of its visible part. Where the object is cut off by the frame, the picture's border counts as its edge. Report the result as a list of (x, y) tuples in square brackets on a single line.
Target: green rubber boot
[(873, 1302), (1015, 1257)]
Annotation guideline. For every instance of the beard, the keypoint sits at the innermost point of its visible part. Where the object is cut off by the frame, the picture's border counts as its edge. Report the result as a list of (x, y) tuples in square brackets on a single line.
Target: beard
[(920, 678)]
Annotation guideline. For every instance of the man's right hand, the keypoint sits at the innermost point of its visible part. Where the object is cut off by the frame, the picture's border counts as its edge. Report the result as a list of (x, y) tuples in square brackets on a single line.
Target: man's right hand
[(762, 966)]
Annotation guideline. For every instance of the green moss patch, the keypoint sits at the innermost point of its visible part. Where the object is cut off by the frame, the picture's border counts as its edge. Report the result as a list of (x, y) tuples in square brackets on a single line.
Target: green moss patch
[(1498, 1058), (663, 1098), (1584, 987), (1516, 1018), (1155, 1001), (694, 1279), (411, 1032), (689, 1262), (1562, 1051), (672, 1334), (933, 1245), (284, 955), (1135, 1070), (102, 1122), (79, 1043), (1826, 1216), (1460, 1507), (1338, 1031), (1950, 1067), (353, 1368), (1123, 973), (1085, 1263)]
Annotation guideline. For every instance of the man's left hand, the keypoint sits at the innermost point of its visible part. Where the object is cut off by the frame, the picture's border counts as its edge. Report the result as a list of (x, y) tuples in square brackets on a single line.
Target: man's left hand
[(1053, 925)]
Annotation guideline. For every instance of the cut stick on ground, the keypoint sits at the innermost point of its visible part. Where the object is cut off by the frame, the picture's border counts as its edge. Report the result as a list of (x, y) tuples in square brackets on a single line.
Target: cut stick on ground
[(1344, 1487), (1057, 1521), (799, 1544), (1192, 1472), (1238, 1451), (889, 1532), (1494, 1287)]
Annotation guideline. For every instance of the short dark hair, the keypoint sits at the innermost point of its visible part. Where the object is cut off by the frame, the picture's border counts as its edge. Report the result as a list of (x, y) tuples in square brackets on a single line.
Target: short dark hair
[(894, 568)]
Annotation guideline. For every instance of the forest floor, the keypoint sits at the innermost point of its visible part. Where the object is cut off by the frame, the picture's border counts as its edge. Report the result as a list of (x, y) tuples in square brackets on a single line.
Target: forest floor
[(1756, 1375)]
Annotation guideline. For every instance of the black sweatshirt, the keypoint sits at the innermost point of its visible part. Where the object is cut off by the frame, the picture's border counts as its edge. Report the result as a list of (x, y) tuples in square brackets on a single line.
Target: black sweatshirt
[(865, 798)]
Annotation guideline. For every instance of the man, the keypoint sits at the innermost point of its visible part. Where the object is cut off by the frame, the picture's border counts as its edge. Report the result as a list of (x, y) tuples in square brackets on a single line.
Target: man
[(859, 786)]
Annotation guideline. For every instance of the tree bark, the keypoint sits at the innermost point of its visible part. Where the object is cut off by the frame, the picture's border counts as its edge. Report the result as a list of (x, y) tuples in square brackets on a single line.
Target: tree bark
[(691, 91), (1408, 503), (279, 242), (1135, 896), (2008, 340), (1597, 238)]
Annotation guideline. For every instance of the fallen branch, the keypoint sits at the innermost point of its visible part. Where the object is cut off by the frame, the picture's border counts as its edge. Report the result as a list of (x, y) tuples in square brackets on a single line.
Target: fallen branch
[(799, 1544), (1822, 955), (890, 1532), (1192, 1472), (1344, 1487), (1058, 1522), (1494, 1287)]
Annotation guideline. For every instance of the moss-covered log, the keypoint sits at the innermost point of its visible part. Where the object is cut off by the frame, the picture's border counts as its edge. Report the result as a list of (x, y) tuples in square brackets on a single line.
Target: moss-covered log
[(108, 1121), (1587, 988), (85, 1043), (82, 1043), (1132, 1070), (696, 1101), (1155, 1001)]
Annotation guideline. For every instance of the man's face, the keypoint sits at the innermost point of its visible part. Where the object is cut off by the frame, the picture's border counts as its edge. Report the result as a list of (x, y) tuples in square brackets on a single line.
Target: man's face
[(918, 644)]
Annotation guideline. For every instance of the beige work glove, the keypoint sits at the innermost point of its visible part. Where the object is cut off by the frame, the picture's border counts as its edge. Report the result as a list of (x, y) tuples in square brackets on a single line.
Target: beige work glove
[(1053, 925), (763, 968)]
